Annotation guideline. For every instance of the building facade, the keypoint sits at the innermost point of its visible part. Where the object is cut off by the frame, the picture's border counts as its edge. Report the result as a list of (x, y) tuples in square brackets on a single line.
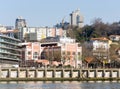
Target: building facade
[(20, 22), (76, 19), (10, 54), (99, 48), (65, 52), (37, 33)]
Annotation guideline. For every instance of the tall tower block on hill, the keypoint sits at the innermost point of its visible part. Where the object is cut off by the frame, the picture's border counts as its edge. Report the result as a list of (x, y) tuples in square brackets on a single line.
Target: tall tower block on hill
[(76, 18)]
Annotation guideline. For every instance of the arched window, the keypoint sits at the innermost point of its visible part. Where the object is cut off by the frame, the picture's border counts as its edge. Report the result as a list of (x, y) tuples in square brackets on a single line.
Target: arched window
[(43, 55)]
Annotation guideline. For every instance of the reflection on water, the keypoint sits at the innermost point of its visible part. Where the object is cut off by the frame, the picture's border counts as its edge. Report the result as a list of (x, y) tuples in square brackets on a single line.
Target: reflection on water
[(60, 85)]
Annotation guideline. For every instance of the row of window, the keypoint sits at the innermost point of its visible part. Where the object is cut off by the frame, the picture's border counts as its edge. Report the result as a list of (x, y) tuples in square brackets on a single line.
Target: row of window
[(8, 40), (8, 34), (7, 45), (35, 54), (9, 51), (9, 56), (70, 53), (101, 54)]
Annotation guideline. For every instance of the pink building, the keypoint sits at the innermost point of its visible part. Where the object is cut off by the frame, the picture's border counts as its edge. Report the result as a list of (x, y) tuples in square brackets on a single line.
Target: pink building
[(30, 53), (65, 52)]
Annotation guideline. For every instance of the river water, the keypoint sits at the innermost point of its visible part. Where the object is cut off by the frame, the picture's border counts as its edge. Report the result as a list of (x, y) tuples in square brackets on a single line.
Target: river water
[(60, 85)]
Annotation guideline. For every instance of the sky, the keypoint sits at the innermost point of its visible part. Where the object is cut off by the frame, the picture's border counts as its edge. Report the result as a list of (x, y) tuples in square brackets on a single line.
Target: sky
[(49, 12)]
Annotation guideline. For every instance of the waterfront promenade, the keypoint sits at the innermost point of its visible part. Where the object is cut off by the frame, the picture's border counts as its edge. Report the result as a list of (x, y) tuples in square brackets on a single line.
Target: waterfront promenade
[(57, 74)]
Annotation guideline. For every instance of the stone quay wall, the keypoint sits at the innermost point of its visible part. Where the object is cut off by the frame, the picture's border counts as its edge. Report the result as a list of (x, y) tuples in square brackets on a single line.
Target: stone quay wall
[(58, 73)]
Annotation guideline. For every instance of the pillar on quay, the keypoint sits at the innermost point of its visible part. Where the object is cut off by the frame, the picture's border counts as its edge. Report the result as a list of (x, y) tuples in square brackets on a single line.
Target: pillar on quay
[(79, 73), (96, 73), (111, 71), (9, 73), (103, 73), (45, 73), (18, 72), (71, 72), (27, 73), (62, 73), (0, 72), (118, 73), (87, 73), (36, 73), (54, 73)]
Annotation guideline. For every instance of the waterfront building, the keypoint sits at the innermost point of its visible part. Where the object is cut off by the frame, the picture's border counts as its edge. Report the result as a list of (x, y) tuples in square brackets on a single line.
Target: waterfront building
[(52, 51), (30, 53), (99, 48), (10, 54), (64, 50), (71, 52), (76, 18)]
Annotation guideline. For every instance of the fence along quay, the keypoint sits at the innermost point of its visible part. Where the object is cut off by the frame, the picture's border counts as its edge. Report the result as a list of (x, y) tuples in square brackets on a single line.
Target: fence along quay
[(58, 74)]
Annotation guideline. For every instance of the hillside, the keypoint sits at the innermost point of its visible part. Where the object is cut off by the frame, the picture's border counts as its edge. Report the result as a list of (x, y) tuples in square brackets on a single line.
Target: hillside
[(96, 29)]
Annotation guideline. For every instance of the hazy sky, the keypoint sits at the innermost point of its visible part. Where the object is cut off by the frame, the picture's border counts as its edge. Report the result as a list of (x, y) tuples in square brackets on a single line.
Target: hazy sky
[(50, 12)]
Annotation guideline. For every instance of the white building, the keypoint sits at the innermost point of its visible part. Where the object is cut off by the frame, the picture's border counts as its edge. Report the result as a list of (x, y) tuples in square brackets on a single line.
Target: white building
[(100, 43), (76, 18), (38, 33), (100, 47)]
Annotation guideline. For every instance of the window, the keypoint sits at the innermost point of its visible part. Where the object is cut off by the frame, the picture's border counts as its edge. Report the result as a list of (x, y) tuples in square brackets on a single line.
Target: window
[(68, 53), (29, 53), (79, 45), (43, 55), (77, 19), (78, 53), (73, 53), (35, 55), (63, 52)]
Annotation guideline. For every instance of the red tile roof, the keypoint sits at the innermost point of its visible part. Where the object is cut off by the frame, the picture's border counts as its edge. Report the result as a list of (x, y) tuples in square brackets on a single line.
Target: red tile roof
[(89, 59), (100, 38)]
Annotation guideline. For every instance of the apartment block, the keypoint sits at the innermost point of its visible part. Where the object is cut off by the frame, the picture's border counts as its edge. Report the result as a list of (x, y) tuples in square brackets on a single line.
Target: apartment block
[(10, 54), (38, 33), (76, 18)]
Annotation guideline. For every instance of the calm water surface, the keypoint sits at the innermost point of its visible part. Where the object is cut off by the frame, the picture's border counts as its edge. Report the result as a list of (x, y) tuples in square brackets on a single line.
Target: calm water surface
[(60, 85)]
